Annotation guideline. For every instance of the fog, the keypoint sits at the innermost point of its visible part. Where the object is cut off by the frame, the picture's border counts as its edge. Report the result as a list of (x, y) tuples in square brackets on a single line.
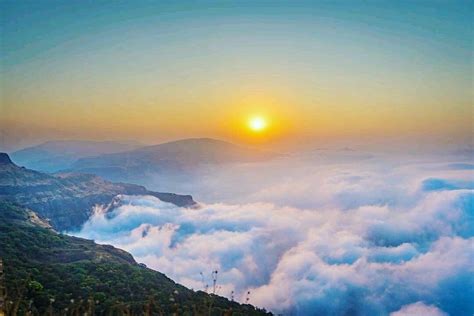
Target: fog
[(330, 231)]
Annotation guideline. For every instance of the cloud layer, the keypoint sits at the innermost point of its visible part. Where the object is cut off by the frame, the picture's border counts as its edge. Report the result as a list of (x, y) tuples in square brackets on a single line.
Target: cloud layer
[(355, 235)]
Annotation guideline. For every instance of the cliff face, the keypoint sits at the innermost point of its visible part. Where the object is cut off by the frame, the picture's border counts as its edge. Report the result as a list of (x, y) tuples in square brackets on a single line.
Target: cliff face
[(67, 199)]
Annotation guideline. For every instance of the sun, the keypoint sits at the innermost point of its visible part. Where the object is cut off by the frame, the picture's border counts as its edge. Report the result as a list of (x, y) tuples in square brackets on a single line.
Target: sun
[(257, 123)]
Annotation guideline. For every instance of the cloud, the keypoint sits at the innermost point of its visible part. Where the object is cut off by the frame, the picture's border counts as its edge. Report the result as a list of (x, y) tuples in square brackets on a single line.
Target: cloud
[(419, 308), (363, 237)]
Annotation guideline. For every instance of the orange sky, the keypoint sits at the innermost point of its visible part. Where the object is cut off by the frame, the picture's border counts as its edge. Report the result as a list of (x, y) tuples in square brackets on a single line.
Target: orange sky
[(316, 73)]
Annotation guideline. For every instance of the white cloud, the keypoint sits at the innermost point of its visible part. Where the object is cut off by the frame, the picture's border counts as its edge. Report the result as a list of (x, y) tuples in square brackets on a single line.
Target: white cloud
[(340, 238), (417, 309)]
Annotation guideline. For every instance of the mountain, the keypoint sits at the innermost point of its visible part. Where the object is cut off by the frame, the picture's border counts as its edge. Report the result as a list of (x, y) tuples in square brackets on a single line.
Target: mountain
[(59, 155), (67, 199), (46, 273), (170, 161)]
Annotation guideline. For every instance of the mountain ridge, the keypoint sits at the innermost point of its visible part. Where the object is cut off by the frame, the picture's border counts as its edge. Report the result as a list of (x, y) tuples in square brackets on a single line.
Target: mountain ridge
[(175, 161), (49, 272), (53, 156), (67, 199)]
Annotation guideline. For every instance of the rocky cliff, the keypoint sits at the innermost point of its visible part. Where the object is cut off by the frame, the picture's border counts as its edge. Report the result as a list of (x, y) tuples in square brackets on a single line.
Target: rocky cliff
[(67, 199)]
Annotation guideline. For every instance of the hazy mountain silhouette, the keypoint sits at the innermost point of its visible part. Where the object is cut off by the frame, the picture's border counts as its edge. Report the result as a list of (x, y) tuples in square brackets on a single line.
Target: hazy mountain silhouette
[(178, 159), (53, 156)]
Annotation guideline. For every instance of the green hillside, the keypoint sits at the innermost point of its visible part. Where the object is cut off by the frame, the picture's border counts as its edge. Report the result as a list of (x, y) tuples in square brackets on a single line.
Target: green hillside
[(47, 272)]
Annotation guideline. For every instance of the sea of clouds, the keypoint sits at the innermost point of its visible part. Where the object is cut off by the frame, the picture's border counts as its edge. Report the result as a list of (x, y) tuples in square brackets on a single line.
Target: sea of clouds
[(329, 232)]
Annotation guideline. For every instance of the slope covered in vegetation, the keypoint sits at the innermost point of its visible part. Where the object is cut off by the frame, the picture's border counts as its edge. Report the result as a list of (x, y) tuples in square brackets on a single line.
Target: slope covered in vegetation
[(47, 272)]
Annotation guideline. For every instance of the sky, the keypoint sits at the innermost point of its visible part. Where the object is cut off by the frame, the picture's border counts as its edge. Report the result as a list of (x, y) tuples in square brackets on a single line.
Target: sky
[(317, 71)]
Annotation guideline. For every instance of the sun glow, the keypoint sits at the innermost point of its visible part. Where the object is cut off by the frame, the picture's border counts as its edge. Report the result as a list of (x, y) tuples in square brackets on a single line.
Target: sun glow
[(257, 123)]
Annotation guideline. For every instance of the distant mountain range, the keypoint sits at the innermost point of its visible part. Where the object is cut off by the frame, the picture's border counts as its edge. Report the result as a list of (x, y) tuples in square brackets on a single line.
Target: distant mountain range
[(171, 162), (67, 199), (131, 162), (54, 156)]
